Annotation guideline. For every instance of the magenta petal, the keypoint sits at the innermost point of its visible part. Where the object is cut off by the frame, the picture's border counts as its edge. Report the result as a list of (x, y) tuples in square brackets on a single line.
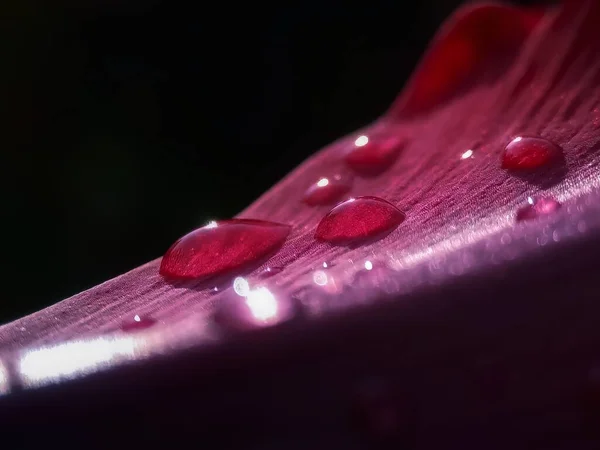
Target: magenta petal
[(488, 327)]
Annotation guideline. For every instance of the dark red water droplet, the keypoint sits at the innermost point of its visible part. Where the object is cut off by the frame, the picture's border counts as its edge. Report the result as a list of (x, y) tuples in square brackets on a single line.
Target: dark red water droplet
[(373, 154), (257, 308), (359, 219), (527, 153), (327, 190), (137, 323), (536, 208), (222, 247)]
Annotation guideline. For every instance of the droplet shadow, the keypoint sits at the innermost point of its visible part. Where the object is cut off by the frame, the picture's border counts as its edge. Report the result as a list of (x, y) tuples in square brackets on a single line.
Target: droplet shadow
[(544, 177)]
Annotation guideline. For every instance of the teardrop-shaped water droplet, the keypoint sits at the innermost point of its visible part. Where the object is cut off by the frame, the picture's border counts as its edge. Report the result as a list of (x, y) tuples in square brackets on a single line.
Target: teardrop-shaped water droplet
[(374, 153), (527, 153), (222, 248), (536, 208), (257, 308), (359, 219), (137, 323), (327, 190)]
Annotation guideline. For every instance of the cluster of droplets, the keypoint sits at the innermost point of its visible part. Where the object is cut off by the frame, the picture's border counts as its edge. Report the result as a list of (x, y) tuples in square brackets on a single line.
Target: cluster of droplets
[(229, 246)]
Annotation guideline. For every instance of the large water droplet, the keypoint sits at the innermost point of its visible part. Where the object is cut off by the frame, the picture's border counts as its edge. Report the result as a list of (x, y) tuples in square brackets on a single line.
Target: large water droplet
[(256, 308), (373, 154), (137, 323), (527, 153), (359, 219), (536, 208), (327, 190), (222, 248)]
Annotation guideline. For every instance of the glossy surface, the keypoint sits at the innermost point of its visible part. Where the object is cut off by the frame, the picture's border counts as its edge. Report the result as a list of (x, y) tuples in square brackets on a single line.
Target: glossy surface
[(537, 207), (372, 154), (222, 247), (528, 153), (327, 190), (359, 219)]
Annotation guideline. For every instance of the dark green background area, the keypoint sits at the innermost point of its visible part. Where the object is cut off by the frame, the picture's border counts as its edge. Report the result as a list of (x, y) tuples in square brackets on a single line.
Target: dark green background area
[(126, 124)]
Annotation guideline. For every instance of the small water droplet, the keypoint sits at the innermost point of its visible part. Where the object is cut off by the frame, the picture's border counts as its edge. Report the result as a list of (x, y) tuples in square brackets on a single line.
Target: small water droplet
[(357, 220), (373, 154), (368, 265), (270, 271), (527, 153), (327, 190), (467, 154), (536, 208), (259, 308), (219, 249), (137, 323)]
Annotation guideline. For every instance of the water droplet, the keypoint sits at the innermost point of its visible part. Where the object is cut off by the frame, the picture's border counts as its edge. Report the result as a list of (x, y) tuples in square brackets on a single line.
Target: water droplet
[(359, 219), (259, 308), (220, 249), (536, 208), (137, 323), (467, 154), (368, 265), (527, 153), (327, 190), (373, 154), (270, 271)]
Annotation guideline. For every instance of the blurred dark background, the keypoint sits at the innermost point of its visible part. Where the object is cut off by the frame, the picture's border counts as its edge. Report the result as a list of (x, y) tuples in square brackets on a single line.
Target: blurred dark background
[(127, 123)]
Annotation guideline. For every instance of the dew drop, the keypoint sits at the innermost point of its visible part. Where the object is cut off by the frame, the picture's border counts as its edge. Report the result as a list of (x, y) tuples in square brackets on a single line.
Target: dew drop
[(527, 153), (467, 154), (137, 323), (373, 154), (270, 271), (327, 190), (536, 208), (359, 219), (222, 248), (259, 308)]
